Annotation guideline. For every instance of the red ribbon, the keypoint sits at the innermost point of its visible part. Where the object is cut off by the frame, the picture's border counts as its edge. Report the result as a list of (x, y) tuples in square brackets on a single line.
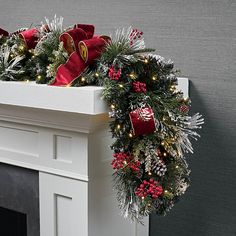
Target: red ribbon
[(3, 32), (30, 36), (142, 121), (83, 48)]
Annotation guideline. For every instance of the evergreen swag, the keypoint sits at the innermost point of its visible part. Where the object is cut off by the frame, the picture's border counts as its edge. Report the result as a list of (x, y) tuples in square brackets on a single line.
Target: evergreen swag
[(150, 120)]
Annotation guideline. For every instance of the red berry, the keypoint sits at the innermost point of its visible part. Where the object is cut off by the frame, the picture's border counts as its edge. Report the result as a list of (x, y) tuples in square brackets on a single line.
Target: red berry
[(142, 186)]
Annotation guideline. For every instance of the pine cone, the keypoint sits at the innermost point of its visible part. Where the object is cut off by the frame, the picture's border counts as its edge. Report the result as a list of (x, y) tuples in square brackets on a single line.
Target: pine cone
[(159, 167)]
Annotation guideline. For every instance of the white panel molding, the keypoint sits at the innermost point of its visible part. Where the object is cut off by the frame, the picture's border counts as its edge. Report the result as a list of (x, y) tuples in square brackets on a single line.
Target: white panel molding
[(34, 147), (52, 119), (63, 206)]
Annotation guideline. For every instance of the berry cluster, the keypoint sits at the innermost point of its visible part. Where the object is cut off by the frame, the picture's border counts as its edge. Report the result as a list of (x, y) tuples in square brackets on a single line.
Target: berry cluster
[(122, 159), (139, 87), (135, 166), (113, 74), (134, 35), (149, 188)]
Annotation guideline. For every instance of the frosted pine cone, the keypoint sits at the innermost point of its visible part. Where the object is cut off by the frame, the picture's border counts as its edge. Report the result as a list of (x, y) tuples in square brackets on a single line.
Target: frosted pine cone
[(159, 167)]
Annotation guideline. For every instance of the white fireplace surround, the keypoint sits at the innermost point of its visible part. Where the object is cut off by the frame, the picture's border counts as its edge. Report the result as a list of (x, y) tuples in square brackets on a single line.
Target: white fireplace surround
[(63, 133)]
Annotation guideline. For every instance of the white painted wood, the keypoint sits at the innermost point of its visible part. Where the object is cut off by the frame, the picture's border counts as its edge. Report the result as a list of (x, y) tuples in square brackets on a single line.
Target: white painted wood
[(45, 129), (48, 150), (88, 99), (103, 209), (83, 100), (23, 141), (183, 86), (63, 206)]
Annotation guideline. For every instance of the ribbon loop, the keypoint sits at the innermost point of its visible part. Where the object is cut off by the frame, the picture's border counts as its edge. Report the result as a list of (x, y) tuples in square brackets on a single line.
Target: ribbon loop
[(88, 29), (92, 48), (71, 39), (30, 37)]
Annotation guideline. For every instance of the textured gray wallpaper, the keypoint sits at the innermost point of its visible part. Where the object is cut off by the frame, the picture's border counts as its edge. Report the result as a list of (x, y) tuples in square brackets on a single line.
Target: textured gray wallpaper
[(200, 36)]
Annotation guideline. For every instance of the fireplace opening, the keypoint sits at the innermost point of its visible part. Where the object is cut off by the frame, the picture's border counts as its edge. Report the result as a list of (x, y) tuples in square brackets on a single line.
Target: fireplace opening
[(19, 201), (12, 223)]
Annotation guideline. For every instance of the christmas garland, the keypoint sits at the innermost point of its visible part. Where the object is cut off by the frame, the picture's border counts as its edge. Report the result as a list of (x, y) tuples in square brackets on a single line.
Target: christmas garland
[(150, 120)]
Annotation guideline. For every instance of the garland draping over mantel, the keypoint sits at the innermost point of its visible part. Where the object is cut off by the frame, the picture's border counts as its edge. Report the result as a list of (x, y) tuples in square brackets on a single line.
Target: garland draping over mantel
[(150, 120)]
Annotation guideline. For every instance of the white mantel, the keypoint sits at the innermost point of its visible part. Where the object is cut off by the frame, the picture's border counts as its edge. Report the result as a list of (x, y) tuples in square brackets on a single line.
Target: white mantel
[(63, 133)]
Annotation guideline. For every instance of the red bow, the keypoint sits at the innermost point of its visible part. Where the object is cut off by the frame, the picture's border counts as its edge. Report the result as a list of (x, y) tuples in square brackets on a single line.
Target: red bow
[(29, 36), (83, 48)]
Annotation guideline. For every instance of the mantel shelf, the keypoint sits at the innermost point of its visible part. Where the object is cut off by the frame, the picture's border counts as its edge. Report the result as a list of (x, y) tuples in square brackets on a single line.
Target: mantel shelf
[(83, 100)]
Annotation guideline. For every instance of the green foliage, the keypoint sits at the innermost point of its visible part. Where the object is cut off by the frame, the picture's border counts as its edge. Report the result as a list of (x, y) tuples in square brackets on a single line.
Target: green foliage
[(10, 67), (46, 52), (16, 60)]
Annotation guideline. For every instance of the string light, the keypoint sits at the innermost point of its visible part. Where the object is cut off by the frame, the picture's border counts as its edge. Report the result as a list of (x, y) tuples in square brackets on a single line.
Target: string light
[(166, 191), (164, 154), (132, 76), (149, 173), (96, 74), (172, 88), (118, 126), (21, 47), (112, 106), (154, 78), (162, 143), (83, 79), (121, 85), (48, 67), (177, 167), (130, 135), (39, 77), (146, 61)]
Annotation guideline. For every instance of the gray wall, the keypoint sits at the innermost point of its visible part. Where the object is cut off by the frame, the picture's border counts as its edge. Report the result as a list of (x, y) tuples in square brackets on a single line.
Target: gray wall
[(199, 35)]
